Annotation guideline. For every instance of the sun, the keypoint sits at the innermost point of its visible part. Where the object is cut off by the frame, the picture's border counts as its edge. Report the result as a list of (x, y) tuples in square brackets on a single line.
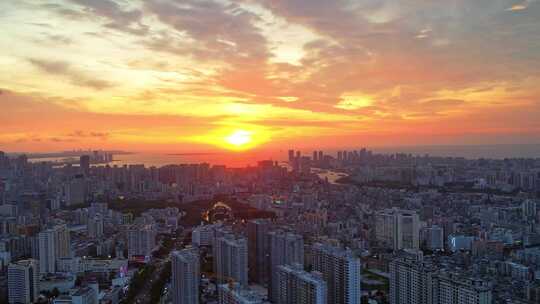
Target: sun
[(235, 138), (239, 138)]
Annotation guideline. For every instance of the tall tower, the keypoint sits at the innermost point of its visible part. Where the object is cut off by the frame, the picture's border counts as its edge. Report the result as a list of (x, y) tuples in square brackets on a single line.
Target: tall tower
[(53, 243), (408, 230), (95, 227), (23, 281), (300, 287), (76, 191), (231, 255), (435, 238), (285, 249), (185, 276), (47, 252), (259, 250), (141, 241), (85, 164), (413, 281), (409, 278), (528, 208), (62, 241), (342, 272), (291, 156), (398, 229)]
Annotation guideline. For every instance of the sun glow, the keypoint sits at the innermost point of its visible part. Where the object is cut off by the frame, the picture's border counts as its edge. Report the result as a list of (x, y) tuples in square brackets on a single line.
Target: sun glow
[(239, 138), (235, 138)]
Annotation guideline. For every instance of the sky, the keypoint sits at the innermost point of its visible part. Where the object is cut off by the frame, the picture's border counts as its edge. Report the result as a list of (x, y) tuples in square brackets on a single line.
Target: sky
[(191, 75)]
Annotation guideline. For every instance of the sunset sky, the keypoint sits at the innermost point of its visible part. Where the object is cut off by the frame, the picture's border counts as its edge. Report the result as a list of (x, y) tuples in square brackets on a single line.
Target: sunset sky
[(243, 74)]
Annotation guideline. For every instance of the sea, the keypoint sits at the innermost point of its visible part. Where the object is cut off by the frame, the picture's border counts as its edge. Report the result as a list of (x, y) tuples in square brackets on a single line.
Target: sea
[(242, 159)]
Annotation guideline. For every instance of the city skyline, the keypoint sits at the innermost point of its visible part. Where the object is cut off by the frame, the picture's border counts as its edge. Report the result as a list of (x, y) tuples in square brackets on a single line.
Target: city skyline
[(223, 75)]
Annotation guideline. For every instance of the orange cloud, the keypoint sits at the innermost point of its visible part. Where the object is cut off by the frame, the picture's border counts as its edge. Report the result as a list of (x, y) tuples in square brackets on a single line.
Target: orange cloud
[(162, 74)]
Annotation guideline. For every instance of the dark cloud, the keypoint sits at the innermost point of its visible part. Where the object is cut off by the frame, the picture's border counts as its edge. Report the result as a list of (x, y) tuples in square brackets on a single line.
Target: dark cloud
[(60, 39), (102, 135), (442, 103), (92, 134), (65, 69), (53, 67), (29, 138), (116, 16), (41, 24), (209, 30), (62, 140)]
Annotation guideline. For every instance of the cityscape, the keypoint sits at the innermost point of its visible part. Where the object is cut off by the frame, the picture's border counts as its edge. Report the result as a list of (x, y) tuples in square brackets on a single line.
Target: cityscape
[(354, 227), (269, 152)]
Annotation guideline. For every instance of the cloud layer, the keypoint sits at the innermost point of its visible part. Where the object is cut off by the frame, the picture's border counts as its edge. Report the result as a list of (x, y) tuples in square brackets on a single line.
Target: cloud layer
[(310, 71)]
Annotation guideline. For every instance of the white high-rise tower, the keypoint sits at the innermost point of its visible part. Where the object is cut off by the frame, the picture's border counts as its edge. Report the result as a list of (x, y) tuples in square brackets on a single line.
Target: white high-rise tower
[(285, 249), (185, 276), (23, 282), (341, 270), (231, 256)]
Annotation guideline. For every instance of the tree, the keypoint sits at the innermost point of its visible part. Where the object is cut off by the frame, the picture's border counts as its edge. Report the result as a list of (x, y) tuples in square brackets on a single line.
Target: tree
[(159, 285)]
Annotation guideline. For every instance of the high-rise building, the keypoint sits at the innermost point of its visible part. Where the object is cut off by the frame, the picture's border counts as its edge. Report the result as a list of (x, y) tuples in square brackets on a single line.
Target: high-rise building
[(528, 209), (9, 210), (204, 235), (75, 191), (54, 243), (460, 242), (23, 282), (95, 227), (98, 209), (234, 293), (304, 164), (296, 286), (434, 238), (341, 270), (413, 281), (291, 156), (63, 241), (84, 163), (285, 249), (231, 257), (185, 276), (85, 295), (398, 229), (454, 287), (259, 250), (315, 156), (141, 241), (4, 160)]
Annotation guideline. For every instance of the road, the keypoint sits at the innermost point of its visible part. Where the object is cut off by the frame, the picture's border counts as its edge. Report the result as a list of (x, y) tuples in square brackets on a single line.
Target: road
[(143, 297)]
